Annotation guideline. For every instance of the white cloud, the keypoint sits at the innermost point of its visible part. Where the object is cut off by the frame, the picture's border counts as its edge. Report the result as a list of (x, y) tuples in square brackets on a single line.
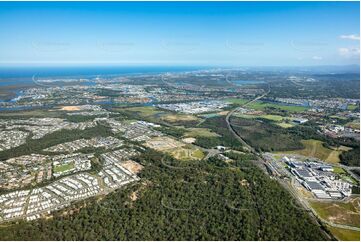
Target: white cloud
[(317, 57), (349, 52), (350, 37)]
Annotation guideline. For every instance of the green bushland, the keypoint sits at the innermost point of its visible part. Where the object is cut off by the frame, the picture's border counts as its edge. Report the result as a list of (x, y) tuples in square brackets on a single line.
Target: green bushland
[(212, 200), (173, 131), (208, 142), (355, 124), (218, 125), (351, 157), (79, 118), (25, 114), (264, 135)]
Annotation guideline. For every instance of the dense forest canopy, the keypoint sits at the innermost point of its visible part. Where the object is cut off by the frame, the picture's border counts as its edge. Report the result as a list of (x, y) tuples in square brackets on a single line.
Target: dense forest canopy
[(206, 200)]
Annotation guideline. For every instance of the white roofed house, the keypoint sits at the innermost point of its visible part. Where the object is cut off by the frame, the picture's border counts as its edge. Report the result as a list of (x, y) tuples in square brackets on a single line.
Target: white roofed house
[(343, 187), (300, 120), (326, 168)]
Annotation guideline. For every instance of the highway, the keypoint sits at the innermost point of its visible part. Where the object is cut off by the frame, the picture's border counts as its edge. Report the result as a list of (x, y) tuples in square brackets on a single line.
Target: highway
[(229, 125), (285, 184)]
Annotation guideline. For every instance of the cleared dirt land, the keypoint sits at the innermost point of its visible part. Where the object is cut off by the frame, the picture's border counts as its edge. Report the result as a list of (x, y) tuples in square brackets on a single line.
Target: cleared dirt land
[(175, 148), (144, 111), (339, 212), (189, 140), (194, 132), (172, 118), (70, 108), (345, 234), (285, 125), (188, 154), (163, 143), (132, 166), (315, 148)]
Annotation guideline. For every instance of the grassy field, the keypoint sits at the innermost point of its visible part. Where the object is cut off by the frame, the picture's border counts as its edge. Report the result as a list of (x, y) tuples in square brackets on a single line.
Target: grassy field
[(177, 149), (339, 212), (314, 148), (239, 101), (339, 170), (277, 119), (353, 125), (145, 111), (285, 125), (209, 115), (345, 234), (153, 114), (64, 167), (259, 105), (338, 117), (348, 178), (31, 113), (351, 107), (172, 118), (194, 132), (247, 116), (271, 117), (187, 154), (343, 148)]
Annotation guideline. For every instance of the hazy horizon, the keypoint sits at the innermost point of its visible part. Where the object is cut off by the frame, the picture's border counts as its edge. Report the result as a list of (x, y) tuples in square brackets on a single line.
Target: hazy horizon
[(180, 33)]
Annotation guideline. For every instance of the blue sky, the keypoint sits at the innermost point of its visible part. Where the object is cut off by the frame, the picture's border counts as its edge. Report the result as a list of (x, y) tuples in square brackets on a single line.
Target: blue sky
[(180, 33)]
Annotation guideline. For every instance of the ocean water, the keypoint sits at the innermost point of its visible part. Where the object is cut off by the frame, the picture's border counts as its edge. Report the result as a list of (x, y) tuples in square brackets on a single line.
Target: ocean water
[(23, 75)]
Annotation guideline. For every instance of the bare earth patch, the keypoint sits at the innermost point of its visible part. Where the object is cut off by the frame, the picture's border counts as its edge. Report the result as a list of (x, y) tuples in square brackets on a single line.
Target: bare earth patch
[(340, 212), (137, 193), (189, 140), (223, 113), (179, 117), (132, 166), (163, 143), (133, 196), (70, 108)]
